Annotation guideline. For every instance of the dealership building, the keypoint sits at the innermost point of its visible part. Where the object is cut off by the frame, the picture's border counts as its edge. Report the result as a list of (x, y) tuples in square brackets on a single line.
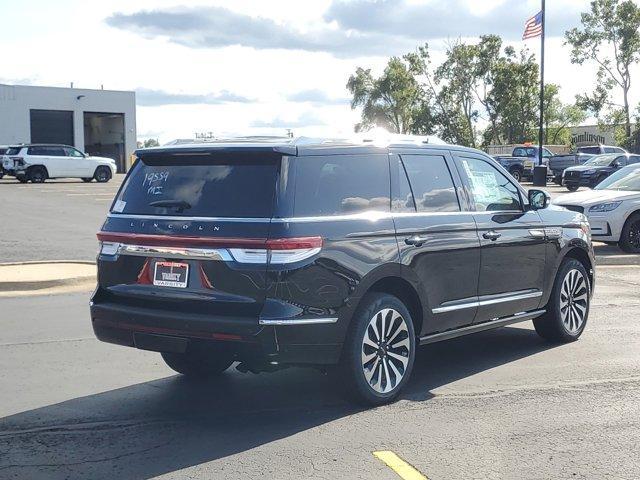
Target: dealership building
[(98, 122)]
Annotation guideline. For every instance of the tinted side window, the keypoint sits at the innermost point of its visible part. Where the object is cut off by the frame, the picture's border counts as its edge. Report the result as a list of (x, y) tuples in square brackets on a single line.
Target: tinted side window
[(431, 182), (341, 184), (72, 152), (589, 150), (14, 151), (613, 150), (634, 159), (519, 152), (490, 189), (622, 160), (56, 152), (37, 151), (403, 199)]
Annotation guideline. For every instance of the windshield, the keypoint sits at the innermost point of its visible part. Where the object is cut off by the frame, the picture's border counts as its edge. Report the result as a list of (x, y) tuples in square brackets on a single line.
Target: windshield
[(600, 160), (625, 179), (237, 185)]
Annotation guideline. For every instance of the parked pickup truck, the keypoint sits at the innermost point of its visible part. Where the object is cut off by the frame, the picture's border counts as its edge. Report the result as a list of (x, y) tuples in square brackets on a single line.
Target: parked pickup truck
[(559, 163), (522, 160)]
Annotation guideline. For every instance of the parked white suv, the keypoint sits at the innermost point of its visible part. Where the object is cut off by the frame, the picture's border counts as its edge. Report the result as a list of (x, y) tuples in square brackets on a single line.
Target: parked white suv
[(37, 163), (612, 207)]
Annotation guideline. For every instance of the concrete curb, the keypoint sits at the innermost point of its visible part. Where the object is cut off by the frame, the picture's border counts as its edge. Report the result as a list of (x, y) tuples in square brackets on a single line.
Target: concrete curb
[(16, 281), (628, 260), (46, 262)]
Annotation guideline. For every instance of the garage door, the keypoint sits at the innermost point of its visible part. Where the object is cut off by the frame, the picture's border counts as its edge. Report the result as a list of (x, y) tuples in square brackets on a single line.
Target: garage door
[(52, 126)]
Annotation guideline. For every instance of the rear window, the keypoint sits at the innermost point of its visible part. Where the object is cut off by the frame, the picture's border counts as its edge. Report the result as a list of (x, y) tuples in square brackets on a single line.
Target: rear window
[(224, 185), (341, 184), (14, 151)]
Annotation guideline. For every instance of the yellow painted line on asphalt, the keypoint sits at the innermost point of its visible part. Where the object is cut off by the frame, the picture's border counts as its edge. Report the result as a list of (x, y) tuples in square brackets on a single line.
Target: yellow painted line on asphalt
[(398, 465)]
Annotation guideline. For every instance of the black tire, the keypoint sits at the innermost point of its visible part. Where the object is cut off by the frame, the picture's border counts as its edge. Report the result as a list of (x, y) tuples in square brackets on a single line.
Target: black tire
[(37, 174), (630, 237), (198, 364), (382, 387), (572, 188), (568, 307), (87, 180), (1, 173), (103, 174), (517, 174)]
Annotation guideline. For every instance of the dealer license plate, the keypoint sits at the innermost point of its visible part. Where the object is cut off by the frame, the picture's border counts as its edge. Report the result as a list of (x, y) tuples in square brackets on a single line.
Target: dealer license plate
[(171, 274)]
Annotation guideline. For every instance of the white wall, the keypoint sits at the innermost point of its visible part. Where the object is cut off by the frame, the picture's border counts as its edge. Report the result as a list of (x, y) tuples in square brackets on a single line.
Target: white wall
[(17, 100)]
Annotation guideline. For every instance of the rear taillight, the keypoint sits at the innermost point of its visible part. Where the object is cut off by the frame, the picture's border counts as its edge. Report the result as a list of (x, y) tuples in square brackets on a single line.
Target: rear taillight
[(279, 251), (18, 161), (242, 250)]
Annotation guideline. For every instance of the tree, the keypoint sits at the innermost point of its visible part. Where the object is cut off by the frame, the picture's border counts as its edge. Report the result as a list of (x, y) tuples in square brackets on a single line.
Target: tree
[(558, 116), (610, 37), (394, 100), (514, 96), (457, 98), (151, 142)]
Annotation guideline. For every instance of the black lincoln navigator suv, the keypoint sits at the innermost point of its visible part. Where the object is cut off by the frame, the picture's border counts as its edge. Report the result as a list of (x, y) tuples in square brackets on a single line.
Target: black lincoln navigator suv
[(329, 253)]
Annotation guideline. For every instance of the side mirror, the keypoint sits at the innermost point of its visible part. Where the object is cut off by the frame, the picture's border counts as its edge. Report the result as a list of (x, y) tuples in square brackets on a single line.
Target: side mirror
[(539, 199)]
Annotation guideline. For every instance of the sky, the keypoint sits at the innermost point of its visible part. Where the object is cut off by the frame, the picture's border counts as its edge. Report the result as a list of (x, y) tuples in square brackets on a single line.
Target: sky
[(255, 66)]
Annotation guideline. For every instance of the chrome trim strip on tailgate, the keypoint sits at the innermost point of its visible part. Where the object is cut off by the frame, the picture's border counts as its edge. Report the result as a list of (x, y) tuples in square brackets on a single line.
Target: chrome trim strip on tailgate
[(168, 252)]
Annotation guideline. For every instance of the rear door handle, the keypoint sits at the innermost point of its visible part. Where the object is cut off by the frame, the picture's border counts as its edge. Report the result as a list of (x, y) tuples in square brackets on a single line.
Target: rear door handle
[(491, 235), (416, 240)]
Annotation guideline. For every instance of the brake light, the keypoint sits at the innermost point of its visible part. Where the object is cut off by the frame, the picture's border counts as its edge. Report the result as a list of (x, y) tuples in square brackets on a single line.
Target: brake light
[(17, 161), (279, 251)]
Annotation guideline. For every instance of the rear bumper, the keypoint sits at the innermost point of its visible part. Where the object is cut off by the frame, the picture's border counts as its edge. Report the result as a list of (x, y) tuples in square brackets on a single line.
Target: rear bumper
[(310, 344)]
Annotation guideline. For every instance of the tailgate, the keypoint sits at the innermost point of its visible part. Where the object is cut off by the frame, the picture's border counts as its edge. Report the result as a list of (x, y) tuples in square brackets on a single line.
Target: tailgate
[(185, 233)]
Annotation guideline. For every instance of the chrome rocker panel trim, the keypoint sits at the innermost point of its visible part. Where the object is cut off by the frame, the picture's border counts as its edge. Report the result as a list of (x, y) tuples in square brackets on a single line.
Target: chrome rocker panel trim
[(302, 321), (500, 322), (490, 301)]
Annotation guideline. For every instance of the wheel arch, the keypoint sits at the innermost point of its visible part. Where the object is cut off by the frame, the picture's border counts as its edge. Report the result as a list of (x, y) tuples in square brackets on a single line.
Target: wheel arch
[(30, 168), (582, 256), (406, 292), (631, 213)]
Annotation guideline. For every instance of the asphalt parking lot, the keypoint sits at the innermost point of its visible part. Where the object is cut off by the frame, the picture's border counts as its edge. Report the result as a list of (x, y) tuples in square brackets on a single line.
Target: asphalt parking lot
[(55, 220), (496, 405)]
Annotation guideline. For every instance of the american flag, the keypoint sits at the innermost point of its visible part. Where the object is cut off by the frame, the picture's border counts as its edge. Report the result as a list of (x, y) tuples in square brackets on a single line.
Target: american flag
[(533, 27)]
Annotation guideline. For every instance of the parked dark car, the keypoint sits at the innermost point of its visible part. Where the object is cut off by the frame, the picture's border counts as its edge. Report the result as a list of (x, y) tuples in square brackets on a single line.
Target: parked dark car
[(3, 150), (522, 160), (596, 169), (559, 163), (321, 254)]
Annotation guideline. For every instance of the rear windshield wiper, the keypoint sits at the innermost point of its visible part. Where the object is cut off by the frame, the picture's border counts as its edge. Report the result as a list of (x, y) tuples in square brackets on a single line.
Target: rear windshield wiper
[(179, 205)]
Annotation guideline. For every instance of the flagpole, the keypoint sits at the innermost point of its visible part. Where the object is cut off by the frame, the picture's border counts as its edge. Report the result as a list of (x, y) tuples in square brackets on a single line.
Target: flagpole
[(541, 129)]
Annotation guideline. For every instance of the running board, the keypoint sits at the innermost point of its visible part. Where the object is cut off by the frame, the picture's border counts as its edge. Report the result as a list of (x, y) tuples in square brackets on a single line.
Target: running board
[(501, 322)]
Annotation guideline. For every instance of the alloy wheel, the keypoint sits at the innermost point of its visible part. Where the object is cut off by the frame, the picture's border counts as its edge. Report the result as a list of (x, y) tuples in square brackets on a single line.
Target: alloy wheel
[(102, 175), (385, 350), (634, 236), (574, 300)]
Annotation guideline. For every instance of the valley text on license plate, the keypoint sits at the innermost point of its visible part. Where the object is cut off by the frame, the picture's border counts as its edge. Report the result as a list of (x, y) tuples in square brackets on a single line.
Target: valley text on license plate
[(171, 274)]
